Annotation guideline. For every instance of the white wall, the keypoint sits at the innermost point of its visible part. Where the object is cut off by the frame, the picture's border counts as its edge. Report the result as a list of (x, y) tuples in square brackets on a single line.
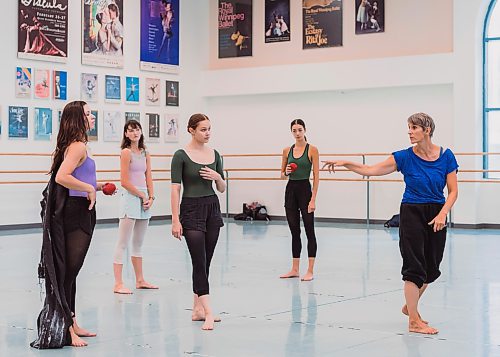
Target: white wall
[(20, 202), (349, 106)]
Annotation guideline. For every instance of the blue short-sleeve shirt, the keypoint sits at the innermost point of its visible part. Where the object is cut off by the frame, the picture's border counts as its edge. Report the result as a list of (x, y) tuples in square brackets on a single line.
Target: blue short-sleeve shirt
[(424, 180)]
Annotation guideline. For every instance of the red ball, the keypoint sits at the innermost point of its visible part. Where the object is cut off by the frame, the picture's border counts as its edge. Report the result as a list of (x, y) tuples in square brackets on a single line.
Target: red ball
[(108, 188), (293, 166)]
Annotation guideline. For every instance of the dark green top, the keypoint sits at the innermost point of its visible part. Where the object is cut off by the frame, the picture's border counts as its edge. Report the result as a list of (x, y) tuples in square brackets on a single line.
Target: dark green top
[(304, 164), (186, 171)]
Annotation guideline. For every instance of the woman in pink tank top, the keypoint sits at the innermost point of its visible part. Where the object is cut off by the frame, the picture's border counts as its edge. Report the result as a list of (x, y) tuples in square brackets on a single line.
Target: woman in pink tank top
[(136, 201)]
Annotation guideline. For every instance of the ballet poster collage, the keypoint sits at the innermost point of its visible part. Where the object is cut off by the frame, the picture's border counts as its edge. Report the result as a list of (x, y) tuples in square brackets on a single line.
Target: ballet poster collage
[(321, 23), (43, 35)]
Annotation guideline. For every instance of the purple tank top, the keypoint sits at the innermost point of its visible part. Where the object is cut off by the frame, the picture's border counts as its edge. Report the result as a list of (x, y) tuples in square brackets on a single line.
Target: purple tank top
[(86, 173), (137, 169)]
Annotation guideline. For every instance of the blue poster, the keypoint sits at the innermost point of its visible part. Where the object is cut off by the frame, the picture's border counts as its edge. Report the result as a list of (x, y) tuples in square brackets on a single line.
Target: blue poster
[(43, 123), (160, 35), (113, 91), (18, 122), (60, 85), (132, 90), (93, 133)]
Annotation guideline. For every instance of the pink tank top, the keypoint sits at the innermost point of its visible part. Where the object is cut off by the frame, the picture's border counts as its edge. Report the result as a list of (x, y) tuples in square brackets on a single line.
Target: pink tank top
[(137, 169)]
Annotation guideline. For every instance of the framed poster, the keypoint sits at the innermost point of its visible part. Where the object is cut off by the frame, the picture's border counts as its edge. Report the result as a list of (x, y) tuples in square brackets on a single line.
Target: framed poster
[(132, 90), (113, 91), (152, 91), (322, 23), (93, 134), (42, 31), (172, 93), (277, 26), (112, 126), (18, 122), (43, 123), (42, 84), (60, 86), (89, 87), (102, 35), (23, 82), (370, 17), (132, 116), (160, 35), (235, 28), (153, 129), (171, 128)]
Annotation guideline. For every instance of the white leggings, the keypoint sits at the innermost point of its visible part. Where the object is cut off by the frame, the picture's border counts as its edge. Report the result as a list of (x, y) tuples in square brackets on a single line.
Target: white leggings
[(126, 228)]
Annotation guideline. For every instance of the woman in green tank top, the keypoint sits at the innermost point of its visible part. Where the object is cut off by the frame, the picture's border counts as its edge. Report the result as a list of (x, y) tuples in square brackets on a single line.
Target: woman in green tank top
[(300, 199)]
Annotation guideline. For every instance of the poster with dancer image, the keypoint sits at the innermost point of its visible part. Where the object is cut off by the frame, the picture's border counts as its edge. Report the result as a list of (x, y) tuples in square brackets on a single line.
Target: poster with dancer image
[(23, 82), (112, 126), (235, 28), (370, 16), (60, 85), (172, 128), (18, 122), (102, 34), (277, 24), (42, 31), (93, 134), (113, 88), (89, 87), (160, 35), (153, 122), (42, 84), (152, 91), (322, 23), (43, 123), (132, 90), (132, 116), (172, 93)]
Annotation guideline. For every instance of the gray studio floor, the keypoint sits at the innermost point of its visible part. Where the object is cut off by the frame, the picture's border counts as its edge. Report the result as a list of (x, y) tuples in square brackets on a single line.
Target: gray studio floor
[(352, 308)]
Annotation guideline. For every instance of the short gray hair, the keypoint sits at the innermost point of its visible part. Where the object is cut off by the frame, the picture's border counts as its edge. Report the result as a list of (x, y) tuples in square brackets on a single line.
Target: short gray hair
[(424, 120)]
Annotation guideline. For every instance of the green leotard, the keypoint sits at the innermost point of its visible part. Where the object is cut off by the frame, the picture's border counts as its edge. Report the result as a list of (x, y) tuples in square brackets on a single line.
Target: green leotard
[(304, 164), (186, 171)]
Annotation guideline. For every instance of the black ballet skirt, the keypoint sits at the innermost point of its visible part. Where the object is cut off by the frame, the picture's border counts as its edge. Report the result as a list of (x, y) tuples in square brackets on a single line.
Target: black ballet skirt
[(56, 317)]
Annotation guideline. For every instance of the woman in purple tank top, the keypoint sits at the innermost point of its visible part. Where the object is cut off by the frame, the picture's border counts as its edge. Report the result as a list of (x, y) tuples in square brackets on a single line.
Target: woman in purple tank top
[(75, 176)]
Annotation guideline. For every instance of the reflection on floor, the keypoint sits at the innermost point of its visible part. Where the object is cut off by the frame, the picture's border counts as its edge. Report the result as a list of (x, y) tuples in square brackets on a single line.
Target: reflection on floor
[(352, 308)]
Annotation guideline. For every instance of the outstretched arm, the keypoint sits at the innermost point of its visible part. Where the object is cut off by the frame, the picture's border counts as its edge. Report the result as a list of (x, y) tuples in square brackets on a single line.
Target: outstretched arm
[(382, 168)]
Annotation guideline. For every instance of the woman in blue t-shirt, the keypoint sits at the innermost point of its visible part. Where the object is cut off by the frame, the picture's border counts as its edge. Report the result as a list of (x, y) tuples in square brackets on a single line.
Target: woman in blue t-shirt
[(427, 169)]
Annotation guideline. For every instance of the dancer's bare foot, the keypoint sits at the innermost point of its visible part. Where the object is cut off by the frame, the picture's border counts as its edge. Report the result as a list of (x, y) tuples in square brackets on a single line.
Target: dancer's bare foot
[(81, 332), (145, 285), (209, 322), (418, 326), (307, 277), (121, 289), (200, 316), (404, 310), (76, 341), (290, 274)]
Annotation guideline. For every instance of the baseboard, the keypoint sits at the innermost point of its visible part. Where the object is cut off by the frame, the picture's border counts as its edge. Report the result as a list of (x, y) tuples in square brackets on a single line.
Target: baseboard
[(155, 220)]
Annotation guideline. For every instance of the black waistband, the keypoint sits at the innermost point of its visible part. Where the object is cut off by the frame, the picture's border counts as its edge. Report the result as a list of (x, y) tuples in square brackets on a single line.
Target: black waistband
[(200, 200)]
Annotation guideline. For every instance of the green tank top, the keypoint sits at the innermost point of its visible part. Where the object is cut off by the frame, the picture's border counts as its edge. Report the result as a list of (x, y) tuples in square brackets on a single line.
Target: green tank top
[(304, 165), (187, 172)]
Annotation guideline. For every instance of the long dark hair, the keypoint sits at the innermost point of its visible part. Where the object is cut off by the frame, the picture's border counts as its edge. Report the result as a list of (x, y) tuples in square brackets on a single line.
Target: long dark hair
[(73, 127), (298, 122), (134, 124)]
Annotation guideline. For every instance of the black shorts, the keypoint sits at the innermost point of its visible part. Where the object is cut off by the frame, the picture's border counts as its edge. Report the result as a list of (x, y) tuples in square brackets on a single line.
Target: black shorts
[(78, 216), (421, 248), (200, 213), (298, 194)]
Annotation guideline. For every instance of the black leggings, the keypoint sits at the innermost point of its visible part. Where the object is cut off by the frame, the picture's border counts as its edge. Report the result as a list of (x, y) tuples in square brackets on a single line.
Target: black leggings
[(201, 246), (297, 196), (79, 225), (77, 246)]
